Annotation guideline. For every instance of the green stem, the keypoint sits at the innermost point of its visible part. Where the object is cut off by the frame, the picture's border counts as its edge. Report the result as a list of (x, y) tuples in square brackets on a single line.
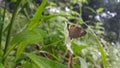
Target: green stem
[(80, 4), (10, 26), (103, 54), (1, 28), (4, 10), (102, 51), (1, 24)]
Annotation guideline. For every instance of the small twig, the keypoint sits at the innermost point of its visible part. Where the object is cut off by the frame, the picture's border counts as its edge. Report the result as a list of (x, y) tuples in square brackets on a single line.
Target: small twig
[(70, 60)]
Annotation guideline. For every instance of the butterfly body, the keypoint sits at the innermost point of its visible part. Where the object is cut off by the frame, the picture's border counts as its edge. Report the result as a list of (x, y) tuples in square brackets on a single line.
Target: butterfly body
[(75, 31)]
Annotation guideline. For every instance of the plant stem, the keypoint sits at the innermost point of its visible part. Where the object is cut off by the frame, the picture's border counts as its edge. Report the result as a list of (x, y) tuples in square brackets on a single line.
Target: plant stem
[(103, 54), (1, 28), (102, 51), (4, 10), (1, 24), (70, 60), (10, 26)]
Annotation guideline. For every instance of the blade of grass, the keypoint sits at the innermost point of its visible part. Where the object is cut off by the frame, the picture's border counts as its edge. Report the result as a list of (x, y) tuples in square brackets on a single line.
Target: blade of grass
[(54, 15), (103, 54), (25, 10), (25, 38), (4, 10), (42, 62), (102, 51), (1, 24), (35, 20), (10, 26), (1, 29)]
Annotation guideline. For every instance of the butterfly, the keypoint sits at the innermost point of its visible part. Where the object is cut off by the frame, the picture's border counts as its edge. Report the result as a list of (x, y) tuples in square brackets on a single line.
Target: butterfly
[(75, 31)]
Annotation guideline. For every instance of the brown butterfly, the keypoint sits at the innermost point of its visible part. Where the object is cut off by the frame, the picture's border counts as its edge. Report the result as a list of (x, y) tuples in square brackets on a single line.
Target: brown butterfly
[(75, 31)]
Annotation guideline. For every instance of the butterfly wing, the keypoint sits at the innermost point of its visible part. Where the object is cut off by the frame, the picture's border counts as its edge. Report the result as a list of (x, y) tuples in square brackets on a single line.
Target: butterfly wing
[(75, 31), (82, 32)]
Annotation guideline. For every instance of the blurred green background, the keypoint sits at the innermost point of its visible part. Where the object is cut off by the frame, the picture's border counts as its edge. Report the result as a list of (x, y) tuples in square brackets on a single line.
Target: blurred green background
[(32, 33)]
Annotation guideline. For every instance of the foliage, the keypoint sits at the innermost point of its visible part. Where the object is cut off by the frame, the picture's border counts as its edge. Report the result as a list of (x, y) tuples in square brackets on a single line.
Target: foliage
[(32, 36)]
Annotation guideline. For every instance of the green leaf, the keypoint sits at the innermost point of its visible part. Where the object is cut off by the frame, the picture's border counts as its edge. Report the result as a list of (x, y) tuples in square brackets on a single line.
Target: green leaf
[(99, 10), (91, 9), (29, 65), (27, 37), (53, 16), (83, 63), (42, 62), (84, 1), (102, 51), (38, 15), (1, 65), (24, 38), (1, 29), (30, 36), (77, 48), (13, 0)]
